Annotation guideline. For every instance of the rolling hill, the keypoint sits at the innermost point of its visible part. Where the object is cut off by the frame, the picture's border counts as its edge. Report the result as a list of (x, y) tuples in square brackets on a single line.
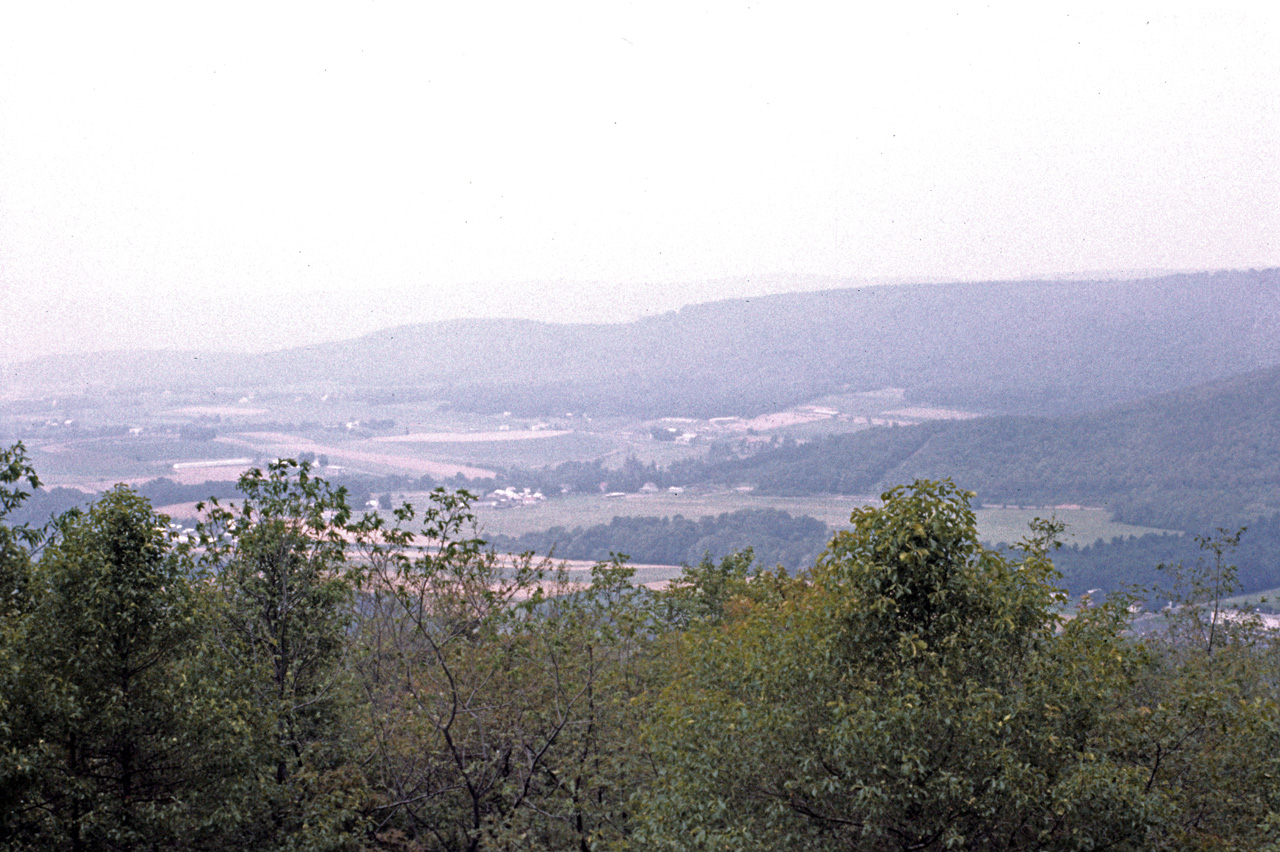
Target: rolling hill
[(1034, 347), (1199, 456)]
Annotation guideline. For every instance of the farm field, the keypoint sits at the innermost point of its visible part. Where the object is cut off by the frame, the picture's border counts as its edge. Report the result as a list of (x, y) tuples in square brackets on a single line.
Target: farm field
[(135, 439), (586, 510), (559, 447), (377, 458), (85, 441), (468, 437), (1267, 601), (1084, 526), (96, 463)]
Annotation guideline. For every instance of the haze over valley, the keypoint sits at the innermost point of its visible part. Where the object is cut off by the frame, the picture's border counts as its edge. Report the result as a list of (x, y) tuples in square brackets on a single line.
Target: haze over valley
[(1127, 407), (494, 427)]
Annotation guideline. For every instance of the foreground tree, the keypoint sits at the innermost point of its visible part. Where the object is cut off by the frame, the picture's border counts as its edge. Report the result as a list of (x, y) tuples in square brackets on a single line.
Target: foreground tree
[(15, 592), (917, 692), (114, 722), (17, 542), (286, 596), (1204, 717), (497, 690), (302, 680)]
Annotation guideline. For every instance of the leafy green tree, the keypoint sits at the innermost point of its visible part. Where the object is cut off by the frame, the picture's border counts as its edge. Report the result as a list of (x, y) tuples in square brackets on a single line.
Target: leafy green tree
[(15, 592), (113, 721), (278, 559), (15, 542), (1198, 617), (701, 592), (1204, 719), (497, 690), (917, 692), (593, 647)]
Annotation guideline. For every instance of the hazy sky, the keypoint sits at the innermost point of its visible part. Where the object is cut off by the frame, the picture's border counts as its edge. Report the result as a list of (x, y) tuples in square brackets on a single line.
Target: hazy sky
[(252, 175)]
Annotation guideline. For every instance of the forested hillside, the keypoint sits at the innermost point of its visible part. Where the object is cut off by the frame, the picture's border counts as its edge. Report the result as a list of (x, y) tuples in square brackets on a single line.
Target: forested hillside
[(1198, 457), (1012, 347), (1194, 459)]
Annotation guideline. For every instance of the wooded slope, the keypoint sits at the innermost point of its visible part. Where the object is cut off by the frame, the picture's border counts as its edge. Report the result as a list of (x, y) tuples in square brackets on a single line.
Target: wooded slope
[(1012, 347), (1200, 456)]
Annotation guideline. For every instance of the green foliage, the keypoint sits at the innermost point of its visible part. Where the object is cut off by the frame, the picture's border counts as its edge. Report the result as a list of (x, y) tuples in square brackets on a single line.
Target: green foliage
[(702, 591), (304, 680), (917, 694), (15, 466), (1198, 590), (113, 716), (286, 595), (15, 542), (1203, 719), (497, 692)]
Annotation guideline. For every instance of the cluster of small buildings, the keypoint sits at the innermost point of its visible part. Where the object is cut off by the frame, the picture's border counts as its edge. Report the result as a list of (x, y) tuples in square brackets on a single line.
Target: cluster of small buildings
[(505, 498), (183, 534)]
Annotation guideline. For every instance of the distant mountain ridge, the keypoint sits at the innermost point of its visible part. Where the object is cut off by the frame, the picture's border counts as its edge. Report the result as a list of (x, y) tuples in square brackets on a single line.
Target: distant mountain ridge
[(1014, 347)]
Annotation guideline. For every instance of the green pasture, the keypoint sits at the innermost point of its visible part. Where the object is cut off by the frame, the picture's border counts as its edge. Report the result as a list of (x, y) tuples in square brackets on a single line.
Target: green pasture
[(588, 509), (533, 452), (1267, 600), (1084, 526), (124, 457)]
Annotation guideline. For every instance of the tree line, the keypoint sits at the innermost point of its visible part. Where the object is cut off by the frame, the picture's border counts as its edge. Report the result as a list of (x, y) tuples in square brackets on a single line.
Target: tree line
[(304, 678), (774, 537), (1137, 560)]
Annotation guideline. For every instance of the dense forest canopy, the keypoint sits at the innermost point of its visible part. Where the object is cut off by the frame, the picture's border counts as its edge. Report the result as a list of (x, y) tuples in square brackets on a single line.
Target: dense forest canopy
[(300, 677)]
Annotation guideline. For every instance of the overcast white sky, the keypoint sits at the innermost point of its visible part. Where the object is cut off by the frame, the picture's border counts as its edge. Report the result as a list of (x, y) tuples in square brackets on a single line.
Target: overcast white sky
[(249, 176)]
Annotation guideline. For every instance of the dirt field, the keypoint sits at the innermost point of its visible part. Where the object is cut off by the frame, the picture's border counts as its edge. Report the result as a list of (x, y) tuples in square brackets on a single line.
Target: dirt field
[(468, 437), (933, 413), (196, 475), (292, 445), (216, 411), (781, 419)]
